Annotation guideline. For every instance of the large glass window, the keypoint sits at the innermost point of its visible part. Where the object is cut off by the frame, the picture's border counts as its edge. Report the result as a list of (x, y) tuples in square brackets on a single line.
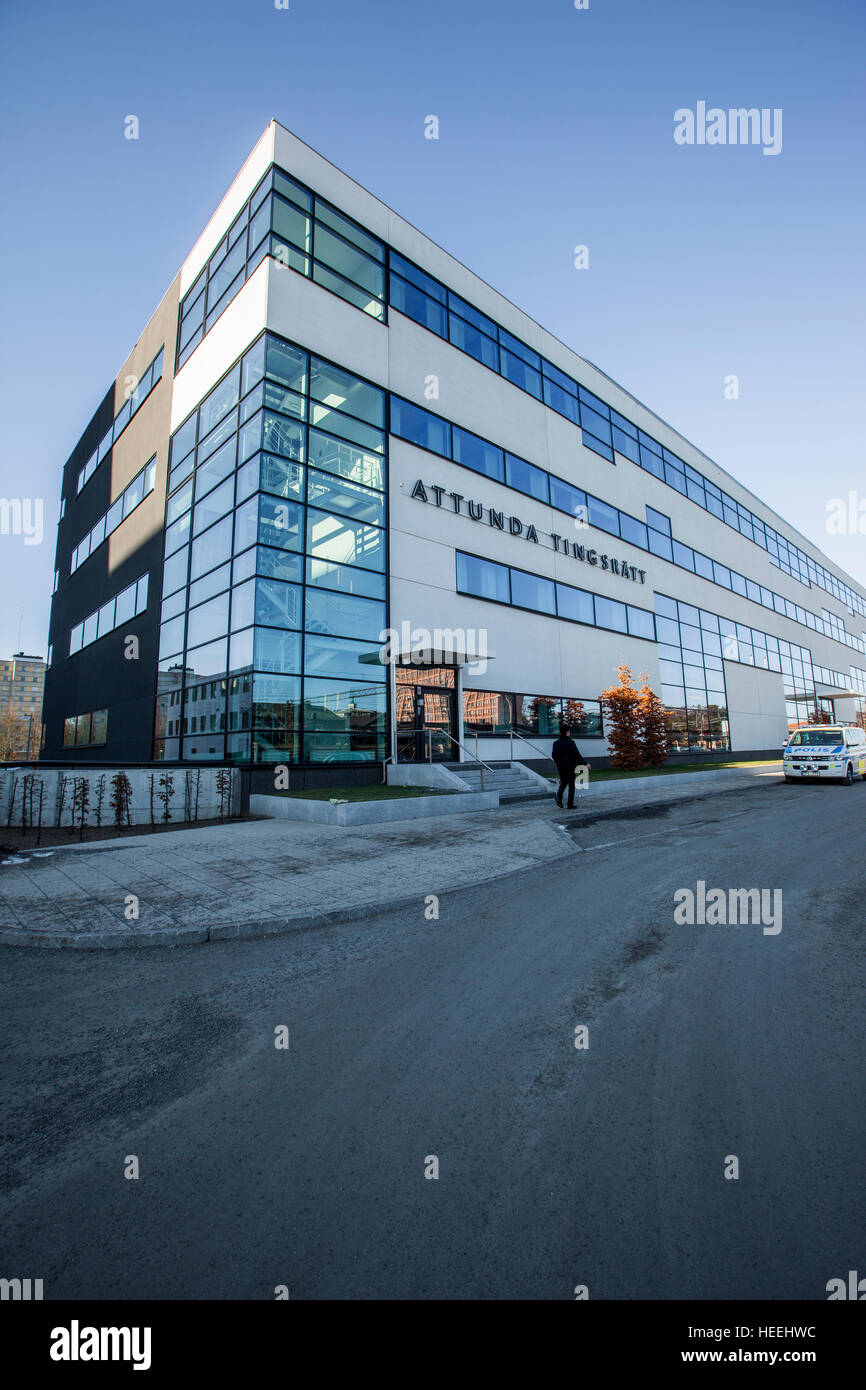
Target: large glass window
[(330, 493), (483, 578), (477, 454), (260, 503), (344, 658), (343, 614), (531, 591), (420, 427), (333, 537)]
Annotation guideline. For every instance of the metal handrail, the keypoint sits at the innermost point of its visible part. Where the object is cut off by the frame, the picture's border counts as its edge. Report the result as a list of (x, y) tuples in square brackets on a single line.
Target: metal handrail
[(429, 730), (529, 744), (480, 761)]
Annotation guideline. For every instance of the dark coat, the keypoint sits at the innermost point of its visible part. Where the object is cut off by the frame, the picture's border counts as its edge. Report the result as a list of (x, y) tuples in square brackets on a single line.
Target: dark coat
[(566, 755)]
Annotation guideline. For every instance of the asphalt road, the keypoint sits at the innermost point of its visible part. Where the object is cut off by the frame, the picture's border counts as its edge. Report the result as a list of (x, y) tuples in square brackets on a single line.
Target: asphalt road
[(454, 1038)]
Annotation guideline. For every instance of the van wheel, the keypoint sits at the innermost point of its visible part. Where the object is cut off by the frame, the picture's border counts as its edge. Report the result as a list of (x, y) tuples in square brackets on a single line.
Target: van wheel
[(849, 776)]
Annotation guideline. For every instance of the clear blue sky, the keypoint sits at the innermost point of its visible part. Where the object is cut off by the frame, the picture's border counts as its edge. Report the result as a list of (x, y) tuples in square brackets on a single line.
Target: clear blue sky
[(556, 128)]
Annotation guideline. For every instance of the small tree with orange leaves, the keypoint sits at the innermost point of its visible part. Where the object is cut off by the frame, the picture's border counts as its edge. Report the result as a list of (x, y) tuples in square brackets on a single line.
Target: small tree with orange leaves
[(653, 725), (621, 705)]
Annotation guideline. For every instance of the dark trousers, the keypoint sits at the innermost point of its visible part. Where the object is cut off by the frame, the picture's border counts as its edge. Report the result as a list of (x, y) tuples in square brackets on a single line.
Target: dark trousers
[(566, 779)]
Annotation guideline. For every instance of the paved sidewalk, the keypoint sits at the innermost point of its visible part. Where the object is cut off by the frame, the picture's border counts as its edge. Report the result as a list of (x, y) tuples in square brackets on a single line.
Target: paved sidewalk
[(269, 877)]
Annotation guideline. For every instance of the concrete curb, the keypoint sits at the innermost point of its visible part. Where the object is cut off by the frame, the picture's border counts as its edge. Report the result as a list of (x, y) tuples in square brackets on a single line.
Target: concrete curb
[(238, 931)]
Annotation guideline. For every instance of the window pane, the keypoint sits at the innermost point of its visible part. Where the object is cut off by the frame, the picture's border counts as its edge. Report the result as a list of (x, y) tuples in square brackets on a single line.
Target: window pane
[(280, 524), (171, 637), (278, 604), (515, 370), (575, 604), (291, 224), (282, 436), (660, 545), (633, 531), (567, 498), (476, 454), (344, 614), (106, 618), (177, 534), (276, 475), (365, 300), (610, 614), (518, 349), (338, 495), (212, 583), (343, 391), (336, 657), (464, 336), (133, 495), (277, 651), (286, 364), (596, 424), (627, 445), (215, 505), (561, 401), (640, 623), (420, 427), (349, 261), (114, 516), (208, 621), (126, 606), (538, 714), (418, 306), (346, 541), (349, 579), (174, 572), (526, 478), (336, 456), (222, 399), (280, 564), (178, 504), (212, 548), (603, 516), (243, 605), (331, 218), (417, 277), (531, 591), (483, 578)]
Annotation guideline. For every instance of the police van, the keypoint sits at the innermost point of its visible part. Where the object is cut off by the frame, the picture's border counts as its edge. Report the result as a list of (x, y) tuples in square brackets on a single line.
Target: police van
[(836, 751)]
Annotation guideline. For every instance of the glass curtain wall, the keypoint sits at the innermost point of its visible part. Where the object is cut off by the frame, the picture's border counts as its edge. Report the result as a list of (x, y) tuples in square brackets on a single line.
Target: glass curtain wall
[(274, 592)]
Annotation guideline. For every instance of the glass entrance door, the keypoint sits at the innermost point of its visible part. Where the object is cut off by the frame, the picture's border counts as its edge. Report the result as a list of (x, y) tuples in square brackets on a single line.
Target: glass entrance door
[(426, 713)]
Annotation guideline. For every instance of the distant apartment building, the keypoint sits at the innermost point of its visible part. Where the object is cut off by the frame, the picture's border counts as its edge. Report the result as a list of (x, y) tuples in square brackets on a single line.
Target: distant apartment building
[(22, 681)]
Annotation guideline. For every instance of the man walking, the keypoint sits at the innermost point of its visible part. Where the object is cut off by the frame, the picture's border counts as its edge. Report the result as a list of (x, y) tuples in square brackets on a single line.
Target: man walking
[(566, 755)]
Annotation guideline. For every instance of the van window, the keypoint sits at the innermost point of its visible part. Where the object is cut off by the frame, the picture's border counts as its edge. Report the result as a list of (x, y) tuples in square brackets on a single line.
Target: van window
[(816, 736)]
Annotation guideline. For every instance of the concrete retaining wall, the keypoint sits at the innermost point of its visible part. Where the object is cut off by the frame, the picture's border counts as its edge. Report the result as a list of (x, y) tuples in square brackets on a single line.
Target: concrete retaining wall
[(350, 813), (424, 775)]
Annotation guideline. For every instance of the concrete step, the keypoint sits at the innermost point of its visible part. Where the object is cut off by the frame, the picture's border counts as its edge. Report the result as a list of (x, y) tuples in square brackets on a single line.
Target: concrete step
[(502, 777)]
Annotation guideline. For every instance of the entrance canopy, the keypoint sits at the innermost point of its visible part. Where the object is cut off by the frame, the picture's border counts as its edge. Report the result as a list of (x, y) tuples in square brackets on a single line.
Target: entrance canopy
[(833, 692), (443, 648)]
